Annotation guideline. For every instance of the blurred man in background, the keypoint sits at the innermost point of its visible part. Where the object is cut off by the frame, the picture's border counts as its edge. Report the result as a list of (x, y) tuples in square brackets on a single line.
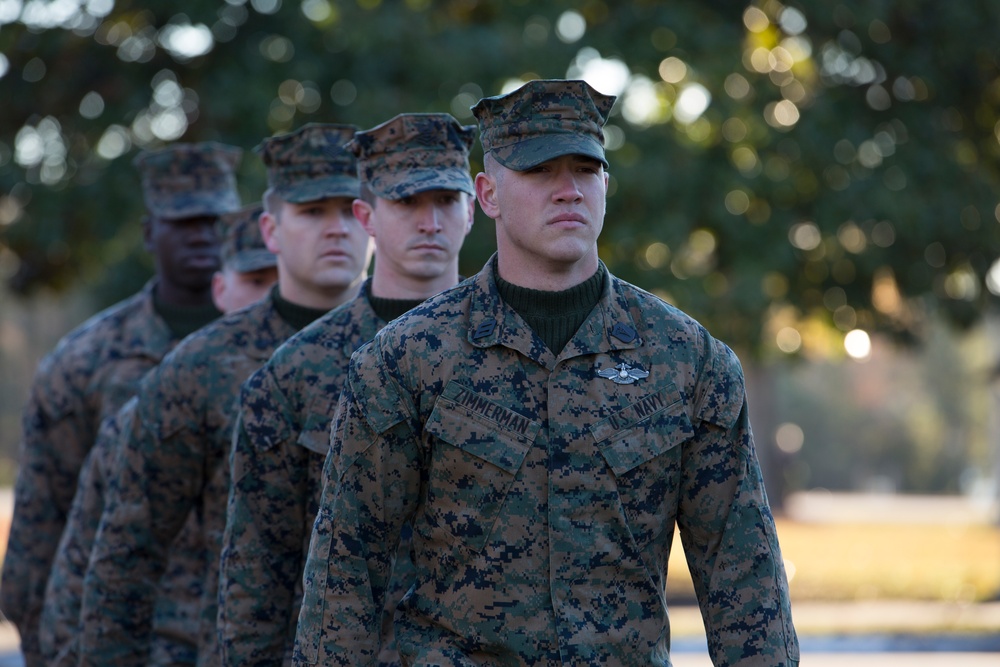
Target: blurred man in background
[(174, 458), (96, 367), (248, 271)]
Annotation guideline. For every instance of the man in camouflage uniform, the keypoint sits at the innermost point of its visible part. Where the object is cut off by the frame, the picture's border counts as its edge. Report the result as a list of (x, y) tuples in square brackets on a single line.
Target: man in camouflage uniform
[(173, 460), (249, 269), (544, 426), (95, 368), (247, 273), (417, 203)]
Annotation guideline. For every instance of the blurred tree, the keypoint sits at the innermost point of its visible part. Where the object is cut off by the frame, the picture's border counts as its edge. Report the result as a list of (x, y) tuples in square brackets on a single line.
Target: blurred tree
[(786, 172)]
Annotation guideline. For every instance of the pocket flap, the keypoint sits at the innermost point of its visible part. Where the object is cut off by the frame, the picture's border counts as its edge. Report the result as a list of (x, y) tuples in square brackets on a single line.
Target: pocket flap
[(643, 430), (482, 427)]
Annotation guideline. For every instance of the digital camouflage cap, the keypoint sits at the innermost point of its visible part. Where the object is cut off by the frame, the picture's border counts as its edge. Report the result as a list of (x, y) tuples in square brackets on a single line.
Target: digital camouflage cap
[(243, 247), (190, 180), (415, 152), (542, 120), (311, 163)]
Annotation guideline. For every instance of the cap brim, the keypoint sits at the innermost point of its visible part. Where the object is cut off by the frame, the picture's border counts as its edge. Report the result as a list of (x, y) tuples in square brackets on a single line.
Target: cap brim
[(194, 205), (533, 151), (400, 184), (252, 260), (334, 185)]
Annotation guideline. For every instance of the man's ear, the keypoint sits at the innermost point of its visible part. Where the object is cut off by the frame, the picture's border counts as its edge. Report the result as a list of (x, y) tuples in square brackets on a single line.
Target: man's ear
[(219, 290), (472, 214), (363, 212), (268, 225), (486, 194)]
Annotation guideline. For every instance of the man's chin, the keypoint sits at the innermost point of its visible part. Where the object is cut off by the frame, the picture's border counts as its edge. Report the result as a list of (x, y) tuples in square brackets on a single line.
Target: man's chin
[(197, 280)]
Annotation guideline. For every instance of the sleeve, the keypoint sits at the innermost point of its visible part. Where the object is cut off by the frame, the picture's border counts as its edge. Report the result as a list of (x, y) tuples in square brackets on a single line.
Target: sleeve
[(58, 431), (60, 618), (729, 535), (267, 523), (371, 488), (158, 475)]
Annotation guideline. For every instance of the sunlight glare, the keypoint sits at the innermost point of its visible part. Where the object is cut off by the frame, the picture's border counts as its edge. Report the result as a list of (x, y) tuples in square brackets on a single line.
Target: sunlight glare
[(858, 345), (692, 103)]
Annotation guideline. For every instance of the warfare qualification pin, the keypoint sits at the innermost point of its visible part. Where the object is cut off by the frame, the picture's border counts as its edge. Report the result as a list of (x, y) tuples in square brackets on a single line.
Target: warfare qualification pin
[(623, 374)]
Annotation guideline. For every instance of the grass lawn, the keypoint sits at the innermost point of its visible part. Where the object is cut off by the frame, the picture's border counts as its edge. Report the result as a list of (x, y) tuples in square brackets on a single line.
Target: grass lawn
[(856, 562)]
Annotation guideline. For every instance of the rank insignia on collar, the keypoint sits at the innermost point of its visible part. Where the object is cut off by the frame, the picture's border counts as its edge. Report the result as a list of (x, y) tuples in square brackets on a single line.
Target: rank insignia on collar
[(624, 332), (484, 329), (623, 374)]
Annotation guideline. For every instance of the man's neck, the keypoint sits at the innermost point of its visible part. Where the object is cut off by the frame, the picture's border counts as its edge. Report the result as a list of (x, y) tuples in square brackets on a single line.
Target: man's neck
[(316, 297), (182, 297), (393, 285), (547, 276)]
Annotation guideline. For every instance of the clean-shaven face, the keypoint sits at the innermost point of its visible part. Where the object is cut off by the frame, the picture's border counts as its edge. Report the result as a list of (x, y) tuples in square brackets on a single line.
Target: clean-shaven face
[(419, 236), (321, 246), (186, 250), (549, 215), (233, 290)]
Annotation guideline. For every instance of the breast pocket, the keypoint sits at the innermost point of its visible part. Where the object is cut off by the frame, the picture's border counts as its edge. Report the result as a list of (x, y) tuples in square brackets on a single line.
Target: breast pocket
[(641, 445), (478, 446), (315, 435)]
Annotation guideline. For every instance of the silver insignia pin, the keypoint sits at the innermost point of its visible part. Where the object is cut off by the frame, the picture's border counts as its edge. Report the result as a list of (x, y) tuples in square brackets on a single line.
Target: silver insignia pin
[(623, 374)]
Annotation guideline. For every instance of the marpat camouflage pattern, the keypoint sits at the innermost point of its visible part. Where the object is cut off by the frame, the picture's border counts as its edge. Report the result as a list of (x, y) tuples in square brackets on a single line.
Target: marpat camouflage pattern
[(543, 496)]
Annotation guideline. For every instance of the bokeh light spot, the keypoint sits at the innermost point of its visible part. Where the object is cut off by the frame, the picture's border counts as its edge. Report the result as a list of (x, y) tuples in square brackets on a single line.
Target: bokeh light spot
[(691, 103), (672, 69), (789, 437), (788, 340), (858, 345), (92, 105), (570, 27), (737, 202), (805, 236), (343, 92), (114, 142)]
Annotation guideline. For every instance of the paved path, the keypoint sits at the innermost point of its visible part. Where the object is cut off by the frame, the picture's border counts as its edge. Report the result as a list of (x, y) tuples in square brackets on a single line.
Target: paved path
[(914, 638), (868, 660)]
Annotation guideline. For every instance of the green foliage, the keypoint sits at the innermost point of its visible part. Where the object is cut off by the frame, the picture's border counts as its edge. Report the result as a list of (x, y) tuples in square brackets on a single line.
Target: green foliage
[(891, 163)]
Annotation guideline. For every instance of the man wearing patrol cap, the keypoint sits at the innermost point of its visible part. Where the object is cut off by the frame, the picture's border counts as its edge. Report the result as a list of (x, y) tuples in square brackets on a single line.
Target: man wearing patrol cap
[(96, 367), (247, 273), (545, 426), (417, 203), (249, 269), (173, 455)]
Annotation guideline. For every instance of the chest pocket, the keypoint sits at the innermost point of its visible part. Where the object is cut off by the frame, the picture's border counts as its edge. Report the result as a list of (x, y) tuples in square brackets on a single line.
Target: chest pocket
[(315, 435), (265, 426), (640, 443), (478, 447)]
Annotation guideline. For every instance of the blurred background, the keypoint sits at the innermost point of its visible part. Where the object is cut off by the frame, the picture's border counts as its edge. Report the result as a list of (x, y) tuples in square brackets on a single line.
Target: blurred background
[(818, 183)]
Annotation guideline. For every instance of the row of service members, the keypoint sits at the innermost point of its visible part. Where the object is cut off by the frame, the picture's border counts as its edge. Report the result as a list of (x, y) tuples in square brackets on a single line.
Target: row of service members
[(509, 459)]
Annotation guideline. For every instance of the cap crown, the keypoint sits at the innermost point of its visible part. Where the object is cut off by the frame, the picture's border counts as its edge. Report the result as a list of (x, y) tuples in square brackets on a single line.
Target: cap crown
[(413, 153), (243, 247), (311, 163), (189, 180), (542, 120)]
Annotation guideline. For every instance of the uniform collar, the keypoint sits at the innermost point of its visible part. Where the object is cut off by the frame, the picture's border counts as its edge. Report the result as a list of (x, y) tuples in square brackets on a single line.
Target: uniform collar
[(609, 326), (146, 333), (267, 327)]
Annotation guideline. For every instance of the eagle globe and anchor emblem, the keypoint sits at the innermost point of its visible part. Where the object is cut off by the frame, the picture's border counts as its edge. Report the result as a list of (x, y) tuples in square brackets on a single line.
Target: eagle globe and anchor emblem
[(623, 374)]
